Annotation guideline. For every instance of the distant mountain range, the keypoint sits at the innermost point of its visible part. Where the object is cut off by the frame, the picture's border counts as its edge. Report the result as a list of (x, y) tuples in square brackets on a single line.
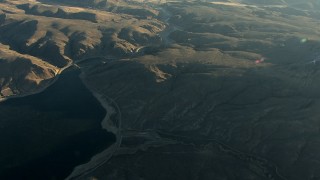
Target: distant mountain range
[(305, 4)]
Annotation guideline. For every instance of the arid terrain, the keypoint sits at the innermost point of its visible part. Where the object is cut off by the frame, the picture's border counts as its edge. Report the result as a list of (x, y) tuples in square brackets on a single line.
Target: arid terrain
[(193, 89)]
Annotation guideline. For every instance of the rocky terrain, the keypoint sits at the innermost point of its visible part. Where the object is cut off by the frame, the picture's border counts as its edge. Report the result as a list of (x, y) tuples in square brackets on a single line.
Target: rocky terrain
[(199, 90), (53, 36)]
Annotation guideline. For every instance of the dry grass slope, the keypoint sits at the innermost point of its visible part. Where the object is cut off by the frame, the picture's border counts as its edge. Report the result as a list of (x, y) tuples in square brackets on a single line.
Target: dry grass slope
[(60, 34)]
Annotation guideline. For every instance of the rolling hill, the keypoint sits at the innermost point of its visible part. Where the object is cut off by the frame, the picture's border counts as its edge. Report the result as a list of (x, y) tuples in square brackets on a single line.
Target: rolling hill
[(203, 89)]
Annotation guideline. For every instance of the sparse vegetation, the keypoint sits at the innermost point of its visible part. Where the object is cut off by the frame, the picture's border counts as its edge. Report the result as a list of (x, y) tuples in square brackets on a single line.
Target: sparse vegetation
[(231, 87)]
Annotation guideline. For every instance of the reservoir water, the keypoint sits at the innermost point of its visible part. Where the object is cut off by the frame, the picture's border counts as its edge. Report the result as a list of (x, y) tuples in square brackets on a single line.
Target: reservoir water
[(44, 136)]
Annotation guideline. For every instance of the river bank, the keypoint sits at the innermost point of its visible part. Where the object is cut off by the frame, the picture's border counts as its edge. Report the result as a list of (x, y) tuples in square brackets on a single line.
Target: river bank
[(111, 123)]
